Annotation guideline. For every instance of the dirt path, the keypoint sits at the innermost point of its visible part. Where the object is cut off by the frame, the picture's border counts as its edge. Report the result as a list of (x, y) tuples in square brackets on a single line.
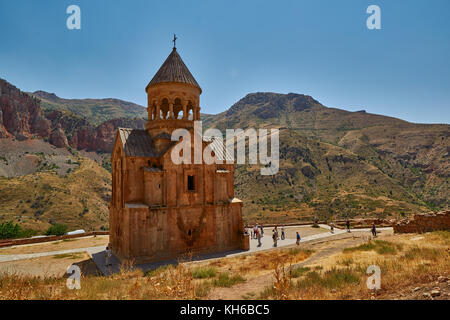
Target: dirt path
[(50, 266), (59, 245), (324, 248)]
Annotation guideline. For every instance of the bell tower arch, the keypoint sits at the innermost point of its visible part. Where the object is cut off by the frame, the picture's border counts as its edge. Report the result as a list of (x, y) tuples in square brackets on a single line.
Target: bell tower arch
[(173, 97)]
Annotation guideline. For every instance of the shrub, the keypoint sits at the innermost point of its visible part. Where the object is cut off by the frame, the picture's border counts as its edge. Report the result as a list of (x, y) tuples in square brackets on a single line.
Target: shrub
[(28, 233), (380, 246), (56, 230), (9, 230), (225, 280), (297, 272), (334, 278), (154, 272), (204, 272)]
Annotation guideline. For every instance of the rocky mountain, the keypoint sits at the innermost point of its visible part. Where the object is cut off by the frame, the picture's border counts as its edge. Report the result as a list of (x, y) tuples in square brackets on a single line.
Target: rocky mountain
[(22, 117), (96, 111), (20, 114), (53, 163), (336, 162)]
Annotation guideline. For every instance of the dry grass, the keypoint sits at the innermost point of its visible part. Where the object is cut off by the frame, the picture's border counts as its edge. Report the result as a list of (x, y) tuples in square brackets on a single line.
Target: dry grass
[(171, 283), (184, 281), (261, 262), (339, 276), (403, 264)]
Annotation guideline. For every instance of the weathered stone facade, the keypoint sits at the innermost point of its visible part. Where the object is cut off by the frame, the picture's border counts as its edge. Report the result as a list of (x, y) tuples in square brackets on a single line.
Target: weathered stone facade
[(425, 222), (162, 210)]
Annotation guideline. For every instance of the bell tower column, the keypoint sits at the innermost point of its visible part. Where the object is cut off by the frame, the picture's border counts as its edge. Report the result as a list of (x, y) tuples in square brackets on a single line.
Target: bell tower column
[(185, 110), (171, 115), (158, 112)]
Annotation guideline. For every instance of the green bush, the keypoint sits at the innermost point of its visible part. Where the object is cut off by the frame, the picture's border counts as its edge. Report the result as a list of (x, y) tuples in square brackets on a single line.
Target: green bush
[(9, 230), (27, 233), (56, 230)]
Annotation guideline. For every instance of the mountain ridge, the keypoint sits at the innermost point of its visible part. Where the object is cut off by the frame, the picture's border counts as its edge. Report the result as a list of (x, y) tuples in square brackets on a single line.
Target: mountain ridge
[(96, 111), (333, 162)]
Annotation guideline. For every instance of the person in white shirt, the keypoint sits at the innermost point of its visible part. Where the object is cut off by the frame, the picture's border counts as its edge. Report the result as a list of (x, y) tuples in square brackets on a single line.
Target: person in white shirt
[(108, 255)]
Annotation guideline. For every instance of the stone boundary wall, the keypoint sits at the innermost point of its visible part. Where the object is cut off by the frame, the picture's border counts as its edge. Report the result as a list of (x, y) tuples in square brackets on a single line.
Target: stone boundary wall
[(365, 223), (354, 223), (15, 242), (424, 222)]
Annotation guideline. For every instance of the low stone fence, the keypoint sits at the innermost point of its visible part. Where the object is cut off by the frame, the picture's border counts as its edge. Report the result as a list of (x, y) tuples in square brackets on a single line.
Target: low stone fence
[(15, 242), (354, 223), (366, 223), (424, 222)]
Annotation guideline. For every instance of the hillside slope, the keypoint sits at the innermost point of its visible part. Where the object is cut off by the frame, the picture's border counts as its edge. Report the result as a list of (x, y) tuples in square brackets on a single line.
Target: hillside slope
[(335, 162), (78, 197), (95, 110)]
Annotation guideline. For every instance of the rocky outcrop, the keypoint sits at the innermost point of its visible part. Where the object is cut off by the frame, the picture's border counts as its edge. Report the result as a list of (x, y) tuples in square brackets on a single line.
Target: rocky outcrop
[(101, 138), (3, 132), (21, 118), (424, 222), (21, 115), (58, 138)]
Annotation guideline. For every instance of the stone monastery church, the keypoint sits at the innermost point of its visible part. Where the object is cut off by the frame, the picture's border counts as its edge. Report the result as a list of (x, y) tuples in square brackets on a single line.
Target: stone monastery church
[(160, 210)]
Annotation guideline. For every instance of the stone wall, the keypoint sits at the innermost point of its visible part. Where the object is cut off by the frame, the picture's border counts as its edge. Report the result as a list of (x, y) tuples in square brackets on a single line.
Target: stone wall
[(425, 222), (152, 234)]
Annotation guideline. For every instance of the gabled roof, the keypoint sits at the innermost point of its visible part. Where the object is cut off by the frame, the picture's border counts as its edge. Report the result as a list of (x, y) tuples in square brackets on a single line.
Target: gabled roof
[(137, 143), (173, 70), (220, 153)]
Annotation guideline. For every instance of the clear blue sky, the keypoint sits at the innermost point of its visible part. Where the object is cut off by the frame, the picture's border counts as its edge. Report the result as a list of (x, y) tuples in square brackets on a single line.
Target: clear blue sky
[(315, 47)]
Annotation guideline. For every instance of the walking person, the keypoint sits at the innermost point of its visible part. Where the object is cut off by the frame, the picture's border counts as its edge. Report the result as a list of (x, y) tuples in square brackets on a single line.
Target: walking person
[(275, 237), (298, 239), (374, 230), (108, 255), (332, 227), (259, 239), (348, 225), (262, 230), (282, 233)]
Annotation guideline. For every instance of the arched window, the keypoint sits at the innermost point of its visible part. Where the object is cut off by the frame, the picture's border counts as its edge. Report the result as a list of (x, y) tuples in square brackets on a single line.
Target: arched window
[(177, 108), (190, 107), (164, 108)]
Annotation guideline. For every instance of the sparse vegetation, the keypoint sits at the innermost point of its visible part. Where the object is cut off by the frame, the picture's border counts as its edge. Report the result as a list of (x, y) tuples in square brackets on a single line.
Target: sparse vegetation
[(204, 272), (10, 230), (380, 246), (227, 280), (57, 230)]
